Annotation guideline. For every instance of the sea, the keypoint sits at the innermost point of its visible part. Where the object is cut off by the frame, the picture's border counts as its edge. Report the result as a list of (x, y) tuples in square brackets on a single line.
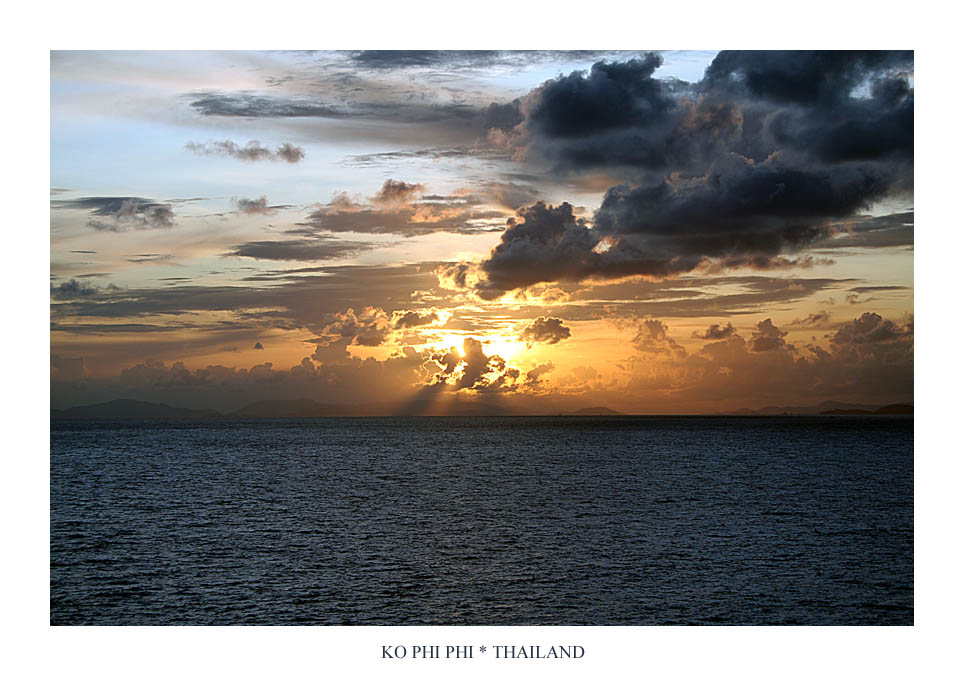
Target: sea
[(483, 521)]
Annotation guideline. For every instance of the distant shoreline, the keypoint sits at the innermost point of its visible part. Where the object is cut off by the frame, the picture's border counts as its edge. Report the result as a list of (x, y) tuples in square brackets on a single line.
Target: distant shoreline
[(131, 409)]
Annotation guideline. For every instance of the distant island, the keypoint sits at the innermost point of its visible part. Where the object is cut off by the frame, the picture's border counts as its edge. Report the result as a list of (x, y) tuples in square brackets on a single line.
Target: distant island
[(892, 409), (132, 409), (830, 408)]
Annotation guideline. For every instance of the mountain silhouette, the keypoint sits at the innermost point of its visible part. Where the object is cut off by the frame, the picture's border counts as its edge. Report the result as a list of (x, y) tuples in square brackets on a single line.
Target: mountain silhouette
[(133, 409), (594, 410)]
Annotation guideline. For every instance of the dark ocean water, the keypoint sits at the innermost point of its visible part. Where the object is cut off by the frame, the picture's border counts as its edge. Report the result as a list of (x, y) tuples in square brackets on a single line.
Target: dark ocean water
[(503, 521)]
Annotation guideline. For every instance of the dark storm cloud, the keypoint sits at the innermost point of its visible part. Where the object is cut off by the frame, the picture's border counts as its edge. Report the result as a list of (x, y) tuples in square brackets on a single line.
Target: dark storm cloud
[(621, 115), (773, 153), (618, 115), (815, 103), (252, 152), (611, 96), (550, 244), (716, 332), (806, 78), (318, 248), (545, 330), (741, 208), (118, 214)]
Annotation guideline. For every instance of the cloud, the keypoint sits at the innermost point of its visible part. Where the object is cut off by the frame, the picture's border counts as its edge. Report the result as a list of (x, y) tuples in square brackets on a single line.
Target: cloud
[(814, 103), (873, 232), (255, 206), (301, 298), (611, 96), (396, 59), (252, 152), (868, 289), (371, 327), (761, 159), (290, 153), (716, 332), (870, 327), (768, 337), (74, 289), (654, 233), (150, 258), (869, 360), (742, 208), (253, 105), (545, 330), (432, 154), (320, 247), (373, 385), (532, 377), (455, 59), (483, 372), (396, 193), (476, 365), (394, 210), (621, 115), (244, 105), (120, 214), (818, 319), (412, 319), (652, 338)]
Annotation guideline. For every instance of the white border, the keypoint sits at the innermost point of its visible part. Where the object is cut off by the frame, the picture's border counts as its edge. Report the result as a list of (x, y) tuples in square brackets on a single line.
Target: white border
[(35, 29)]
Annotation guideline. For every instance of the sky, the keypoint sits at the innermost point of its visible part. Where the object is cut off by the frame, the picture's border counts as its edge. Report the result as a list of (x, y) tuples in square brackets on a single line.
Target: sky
[(526, 232)]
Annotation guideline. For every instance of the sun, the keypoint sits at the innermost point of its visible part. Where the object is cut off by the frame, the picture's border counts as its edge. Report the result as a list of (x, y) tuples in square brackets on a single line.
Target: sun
[(494, 343), (507, 347)]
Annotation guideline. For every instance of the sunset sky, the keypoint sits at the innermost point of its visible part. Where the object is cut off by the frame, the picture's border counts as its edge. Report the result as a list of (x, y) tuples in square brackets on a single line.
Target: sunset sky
[(655, 232)]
